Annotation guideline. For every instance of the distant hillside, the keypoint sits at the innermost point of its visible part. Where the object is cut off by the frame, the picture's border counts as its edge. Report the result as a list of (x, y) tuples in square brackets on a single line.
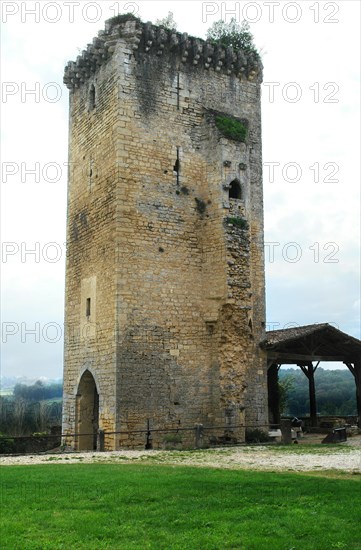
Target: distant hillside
[(38, 391), (9, 382), (335, 392)]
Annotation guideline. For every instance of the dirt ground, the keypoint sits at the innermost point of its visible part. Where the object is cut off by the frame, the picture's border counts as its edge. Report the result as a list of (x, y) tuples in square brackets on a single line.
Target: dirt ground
[(343, 457)]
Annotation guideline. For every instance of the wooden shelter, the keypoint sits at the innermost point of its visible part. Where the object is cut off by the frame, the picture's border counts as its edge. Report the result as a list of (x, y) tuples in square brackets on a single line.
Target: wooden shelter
[(306, 347)]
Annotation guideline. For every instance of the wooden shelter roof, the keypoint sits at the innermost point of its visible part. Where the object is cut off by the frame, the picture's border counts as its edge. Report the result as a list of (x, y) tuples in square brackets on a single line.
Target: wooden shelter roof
[(319, 342)]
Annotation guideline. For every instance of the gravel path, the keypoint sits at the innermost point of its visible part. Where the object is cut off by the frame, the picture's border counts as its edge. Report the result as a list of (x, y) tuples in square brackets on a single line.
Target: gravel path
[(346, 457)]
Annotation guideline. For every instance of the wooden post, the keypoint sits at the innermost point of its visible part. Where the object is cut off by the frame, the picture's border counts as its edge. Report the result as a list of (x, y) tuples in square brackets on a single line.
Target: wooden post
[(355, 369), (273, 394), (309, 370), (312, 392)]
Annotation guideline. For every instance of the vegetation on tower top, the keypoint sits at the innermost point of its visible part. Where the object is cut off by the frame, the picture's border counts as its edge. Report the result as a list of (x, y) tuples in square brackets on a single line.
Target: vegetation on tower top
[(232, 35)]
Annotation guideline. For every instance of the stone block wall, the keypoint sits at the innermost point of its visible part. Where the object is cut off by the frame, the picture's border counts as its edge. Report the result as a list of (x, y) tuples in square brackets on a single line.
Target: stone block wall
[(165, 297)]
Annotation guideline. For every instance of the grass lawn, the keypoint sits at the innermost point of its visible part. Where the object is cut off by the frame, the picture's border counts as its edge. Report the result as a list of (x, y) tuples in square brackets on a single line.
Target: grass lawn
[(97, 506)]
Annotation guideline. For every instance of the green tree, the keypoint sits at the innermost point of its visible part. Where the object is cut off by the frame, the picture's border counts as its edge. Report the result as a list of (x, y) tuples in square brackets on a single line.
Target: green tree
[(335, 392), (168, 22), (37, 391), (285, 385), (232, 34)]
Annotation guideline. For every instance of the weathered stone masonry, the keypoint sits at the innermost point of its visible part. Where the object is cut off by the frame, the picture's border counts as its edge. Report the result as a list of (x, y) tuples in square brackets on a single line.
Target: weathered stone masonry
[(164, 292)]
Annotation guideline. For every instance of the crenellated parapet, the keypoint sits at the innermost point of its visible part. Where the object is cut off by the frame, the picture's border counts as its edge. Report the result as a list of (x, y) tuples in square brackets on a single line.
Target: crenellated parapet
[(155, 40)]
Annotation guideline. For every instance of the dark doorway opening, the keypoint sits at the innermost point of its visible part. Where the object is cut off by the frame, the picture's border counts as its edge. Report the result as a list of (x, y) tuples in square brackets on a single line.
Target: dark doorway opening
[(87, 413)]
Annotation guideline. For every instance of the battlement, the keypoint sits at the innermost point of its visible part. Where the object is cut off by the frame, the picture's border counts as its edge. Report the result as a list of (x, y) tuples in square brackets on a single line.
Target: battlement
[(156, 40)]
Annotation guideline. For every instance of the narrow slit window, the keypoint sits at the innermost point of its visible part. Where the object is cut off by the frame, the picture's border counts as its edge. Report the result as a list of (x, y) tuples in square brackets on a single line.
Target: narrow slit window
[(176, 167), (178, 90), (88, 307), (92, 97)]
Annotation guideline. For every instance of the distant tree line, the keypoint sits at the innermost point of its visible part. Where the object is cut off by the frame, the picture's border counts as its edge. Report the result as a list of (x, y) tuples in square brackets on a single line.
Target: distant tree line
[(335, 392), (37, 407), (31, 409), (37, 391)]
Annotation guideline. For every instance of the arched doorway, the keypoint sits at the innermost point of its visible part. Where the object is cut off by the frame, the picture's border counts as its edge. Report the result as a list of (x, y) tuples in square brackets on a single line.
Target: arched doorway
[(87, 413)]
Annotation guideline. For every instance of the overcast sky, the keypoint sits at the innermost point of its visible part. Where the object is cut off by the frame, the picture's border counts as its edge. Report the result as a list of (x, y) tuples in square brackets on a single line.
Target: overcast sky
[(311, 149)]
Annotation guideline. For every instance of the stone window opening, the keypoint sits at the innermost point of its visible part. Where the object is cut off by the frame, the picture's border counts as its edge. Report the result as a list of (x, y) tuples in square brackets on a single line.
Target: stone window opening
[(92, 97), (88, 307), (235, 190)]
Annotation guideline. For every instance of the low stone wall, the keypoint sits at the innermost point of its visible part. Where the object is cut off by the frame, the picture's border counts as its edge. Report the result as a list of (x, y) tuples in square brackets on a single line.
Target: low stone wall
[(31, 443), (325, 424)]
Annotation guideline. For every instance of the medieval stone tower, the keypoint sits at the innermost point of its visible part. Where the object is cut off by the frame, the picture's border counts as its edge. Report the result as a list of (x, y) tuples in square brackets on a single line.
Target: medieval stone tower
[(165, 303)]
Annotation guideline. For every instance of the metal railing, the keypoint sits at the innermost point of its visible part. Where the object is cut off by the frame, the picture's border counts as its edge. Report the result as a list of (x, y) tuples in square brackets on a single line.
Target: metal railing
[(196, 436)]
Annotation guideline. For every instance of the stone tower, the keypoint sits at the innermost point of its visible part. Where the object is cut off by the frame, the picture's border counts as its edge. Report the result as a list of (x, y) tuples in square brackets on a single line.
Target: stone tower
[(165, 304)]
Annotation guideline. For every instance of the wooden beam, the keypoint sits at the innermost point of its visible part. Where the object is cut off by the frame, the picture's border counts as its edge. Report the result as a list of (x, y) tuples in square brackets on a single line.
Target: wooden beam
[(304, 369), (350, 367), (293, 358)]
